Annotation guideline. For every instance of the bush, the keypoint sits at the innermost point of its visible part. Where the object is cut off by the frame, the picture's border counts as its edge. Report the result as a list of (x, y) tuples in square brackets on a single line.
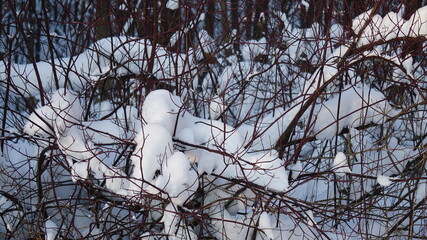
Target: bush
[(213, 120)]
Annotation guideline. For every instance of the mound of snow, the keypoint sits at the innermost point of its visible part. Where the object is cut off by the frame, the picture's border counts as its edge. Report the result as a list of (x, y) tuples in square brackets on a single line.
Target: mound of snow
[(353, 107), (161, 107), (154, 146)]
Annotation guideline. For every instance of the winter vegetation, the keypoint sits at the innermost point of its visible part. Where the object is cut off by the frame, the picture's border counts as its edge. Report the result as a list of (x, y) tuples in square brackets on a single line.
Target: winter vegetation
[(234, 119)]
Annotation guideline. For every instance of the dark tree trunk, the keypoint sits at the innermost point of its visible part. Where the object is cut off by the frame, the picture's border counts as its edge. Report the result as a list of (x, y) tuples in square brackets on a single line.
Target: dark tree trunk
[(103, 21)]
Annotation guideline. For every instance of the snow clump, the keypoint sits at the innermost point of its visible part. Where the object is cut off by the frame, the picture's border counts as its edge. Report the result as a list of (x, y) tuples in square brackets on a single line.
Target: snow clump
[(341, 164)]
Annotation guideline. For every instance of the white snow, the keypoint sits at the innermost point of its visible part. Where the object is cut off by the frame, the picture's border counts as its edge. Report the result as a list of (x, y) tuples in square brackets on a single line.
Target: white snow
[(216, 107), (305, 4), (384, 180), (172, 4), (340, 165), (310, 218), (170, 219), (268, 129), (206, 42), (80, 170), (408, 64), (116, 180), (51, 230), (161, 107), (3, 200), (154, 146), (360, 21), (103, 131), (296, 169), (208, 162), (174, 38), (254, 48), (336, 32), (64, 114), (268, 223), (390, 25), (66, 106), (319, 77), (416, 25), (232, 226), (175, 227), (123, 55), (40, 122), (371, 32), (421, 192), (179, 180), (265, 169), (358, 106)]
